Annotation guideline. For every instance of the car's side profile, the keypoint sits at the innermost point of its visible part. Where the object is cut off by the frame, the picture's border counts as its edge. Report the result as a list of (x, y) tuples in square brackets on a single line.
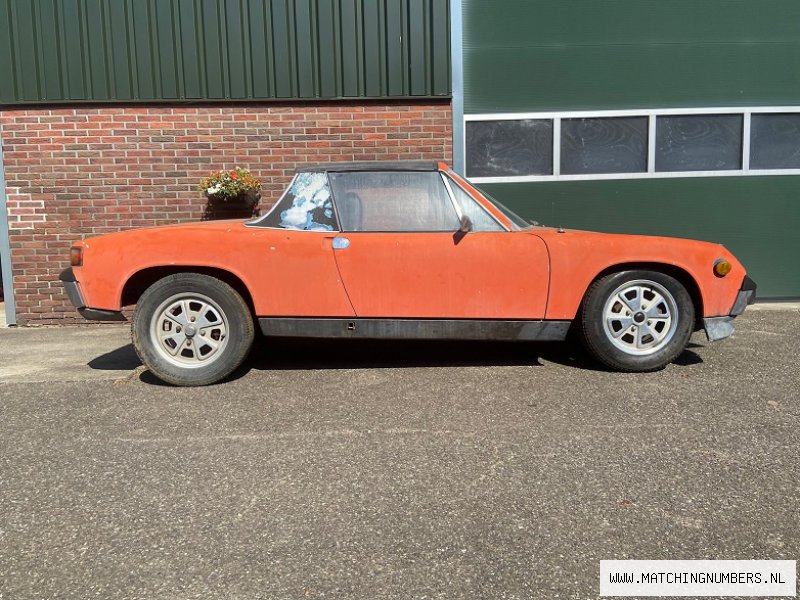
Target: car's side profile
[(399, 250)]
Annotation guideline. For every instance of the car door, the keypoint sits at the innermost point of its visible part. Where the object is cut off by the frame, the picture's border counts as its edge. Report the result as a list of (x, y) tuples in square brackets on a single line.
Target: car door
[(295, 273), (400, 254)]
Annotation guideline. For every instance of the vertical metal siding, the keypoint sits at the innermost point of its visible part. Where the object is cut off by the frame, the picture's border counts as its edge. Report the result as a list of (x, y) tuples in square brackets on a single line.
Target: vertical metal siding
[(590, 55), (54, 51)]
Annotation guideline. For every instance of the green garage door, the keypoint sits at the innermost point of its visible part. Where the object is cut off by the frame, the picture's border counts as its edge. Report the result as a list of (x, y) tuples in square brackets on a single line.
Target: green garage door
[(676, 118)]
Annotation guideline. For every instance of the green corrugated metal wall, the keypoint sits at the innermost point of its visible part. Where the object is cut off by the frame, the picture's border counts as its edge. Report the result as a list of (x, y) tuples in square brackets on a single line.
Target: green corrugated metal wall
[(562, 55), (541, 55), (54, 51)]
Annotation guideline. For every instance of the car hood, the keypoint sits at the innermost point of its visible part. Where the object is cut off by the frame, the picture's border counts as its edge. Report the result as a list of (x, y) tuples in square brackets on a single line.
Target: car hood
[(558, 235)]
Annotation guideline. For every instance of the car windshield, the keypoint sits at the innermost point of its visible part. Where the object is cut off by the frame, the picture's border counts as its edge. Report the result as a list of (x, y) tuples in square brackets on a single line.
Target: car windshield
[(516, 221)]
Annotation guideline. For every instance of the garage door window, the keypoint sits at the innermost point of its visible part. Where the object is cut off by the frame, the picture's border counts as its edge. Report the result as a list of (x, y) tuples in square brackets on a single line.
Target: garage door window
[(613, 145), (497, 148), (632, 144), (699, 143), (775, 141)]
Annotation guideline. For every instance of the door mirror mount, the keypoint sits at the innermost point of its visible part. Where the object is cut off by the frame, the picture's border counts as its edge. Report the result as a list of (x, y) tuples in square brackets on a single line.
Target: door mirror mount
[(465, 224)]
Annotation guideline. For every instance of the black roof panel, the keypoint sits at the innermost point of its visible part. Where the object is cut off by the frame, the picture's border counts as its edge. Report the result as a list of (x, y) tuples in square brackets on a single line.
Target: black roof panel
[(375, 165)]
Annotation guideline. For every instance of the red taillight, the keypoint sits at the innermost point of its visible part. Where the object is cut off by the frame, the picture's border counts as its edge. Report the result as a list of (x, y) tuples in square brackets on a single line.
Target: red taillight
[(76, 256)]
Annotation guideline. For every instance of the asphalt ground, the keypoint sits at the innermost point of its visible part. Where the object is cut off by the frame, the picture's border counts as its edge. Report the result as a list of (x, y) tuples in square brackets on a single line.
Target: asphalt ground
[(389, 470)]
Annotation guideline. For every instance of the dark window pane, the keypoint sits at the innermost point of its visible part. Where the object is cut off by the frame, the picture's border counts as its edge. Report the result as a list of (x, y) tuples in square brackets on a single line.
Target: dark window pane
[(393, 201), (306, 205), (607, 145), (509, 148), (699, 143), (775, 141)]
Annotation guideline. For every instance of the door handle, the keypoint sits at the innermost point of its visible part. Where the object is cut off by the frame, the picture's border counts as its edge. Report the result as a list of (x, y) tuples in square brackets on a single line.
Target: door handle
[(340, 243)]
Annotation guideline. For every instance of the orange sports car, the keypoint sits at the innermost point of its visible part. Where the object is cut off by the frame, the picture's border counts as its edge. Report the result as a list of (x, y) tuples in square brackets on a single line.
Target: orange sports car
[(399, 250)]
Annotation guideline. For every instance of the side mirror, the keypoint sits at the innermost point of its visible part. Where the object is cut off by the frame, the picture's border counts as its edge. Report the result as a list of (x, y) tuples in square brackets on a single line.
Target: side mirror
[(466, 225)]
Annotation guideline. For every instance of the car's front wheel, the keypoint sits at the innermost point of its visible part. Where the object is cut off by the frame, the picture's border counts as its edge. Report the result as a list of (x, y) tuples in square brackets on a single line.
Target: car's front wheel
[(637, 321), (191, 329)]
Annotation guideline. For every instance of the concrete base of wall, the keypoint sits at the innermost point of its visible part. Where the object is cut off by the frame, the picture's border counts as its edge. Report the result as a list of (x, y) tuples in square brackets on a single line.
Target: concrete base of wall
[(788, 305)]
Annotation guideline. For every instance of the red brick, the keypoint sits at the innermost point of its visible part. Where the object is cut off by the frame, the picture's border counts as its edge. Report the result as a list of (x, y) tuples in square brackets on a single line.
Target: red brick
[(78, 172)]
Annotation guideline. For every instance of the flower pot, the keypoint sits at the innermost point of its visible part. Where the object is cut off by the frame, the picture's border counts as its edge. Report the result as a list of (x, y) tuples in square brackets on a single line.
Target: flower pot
[(244, 206)]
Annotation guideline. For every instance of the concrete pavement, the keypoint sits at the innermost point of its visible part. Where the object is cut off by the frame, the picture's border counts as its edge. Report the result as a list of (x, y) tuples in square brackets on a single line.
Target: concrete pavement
[(386, 470)]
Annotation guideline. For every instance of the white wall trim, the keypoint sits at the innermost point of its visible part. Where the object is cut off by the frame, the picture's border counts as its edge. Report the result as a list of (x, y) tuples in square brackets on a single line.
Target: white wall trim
[(746, 129), (609, 176), (651, 144), (644, 112), (556, 147)]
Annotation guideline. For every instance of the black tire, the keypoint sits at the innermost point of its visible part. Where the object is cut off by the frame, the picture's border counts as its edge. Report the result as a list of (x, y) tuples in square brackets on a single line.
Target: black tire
[(234, 338), (611, 340)]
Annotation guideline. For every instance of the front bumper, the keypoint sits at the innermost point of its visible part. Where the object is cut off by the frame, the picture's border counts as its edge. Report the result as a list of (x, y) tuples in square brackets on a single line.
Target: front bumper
[(719, 328), (73, 290)]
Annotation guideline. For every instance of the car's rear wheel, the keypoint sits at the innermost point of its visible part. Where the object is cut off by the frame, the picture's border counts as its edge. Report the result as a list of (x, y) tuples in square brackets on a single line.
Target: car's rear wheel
[(637, 321), (191, 329)]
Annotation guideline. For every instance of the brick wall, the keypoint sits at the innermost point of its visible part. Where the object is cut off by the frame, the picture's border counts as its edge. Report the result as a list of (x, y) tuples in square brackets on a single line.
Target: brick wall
[(72, 173)]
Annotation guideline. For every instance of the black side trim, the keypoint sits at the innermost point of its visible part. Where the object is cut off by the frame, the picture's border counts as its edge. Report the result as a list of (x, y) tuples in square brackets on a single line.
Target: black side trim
[(71, 288), (745, 297), (415, 329), (67, 275), (95, 314)]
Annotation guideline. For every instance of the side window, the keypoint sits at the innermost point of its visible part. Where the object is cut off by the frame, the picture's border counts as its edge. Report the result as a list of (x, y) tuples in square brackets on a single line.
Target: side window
[(306, 205), (481, 220), (393, 201)]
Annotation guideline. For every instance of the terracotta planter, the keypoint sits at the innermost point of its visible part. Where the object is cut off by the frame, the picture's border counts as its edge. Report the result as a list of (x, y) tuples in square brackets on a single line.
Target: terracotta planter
[(244, 206)]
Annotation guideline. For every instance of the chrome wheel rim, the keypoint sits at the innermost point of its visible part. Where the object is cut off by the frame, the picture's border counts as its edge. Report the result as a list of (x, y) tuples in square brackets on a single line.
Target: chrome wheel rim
[(640, 317), (189, 330)]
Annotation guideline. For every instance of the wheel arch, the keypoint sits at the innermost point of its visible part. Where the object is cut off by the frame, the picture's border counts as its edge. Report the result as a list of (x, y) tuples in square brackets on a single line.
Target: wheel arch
[(682, 275), (137, 283)]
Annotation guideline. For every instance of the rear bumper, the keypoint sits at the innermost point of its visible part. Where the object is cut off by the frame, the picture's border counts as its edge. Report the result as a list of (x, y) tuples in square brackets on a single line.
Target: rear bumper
[(719, 328), (73, 290)]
